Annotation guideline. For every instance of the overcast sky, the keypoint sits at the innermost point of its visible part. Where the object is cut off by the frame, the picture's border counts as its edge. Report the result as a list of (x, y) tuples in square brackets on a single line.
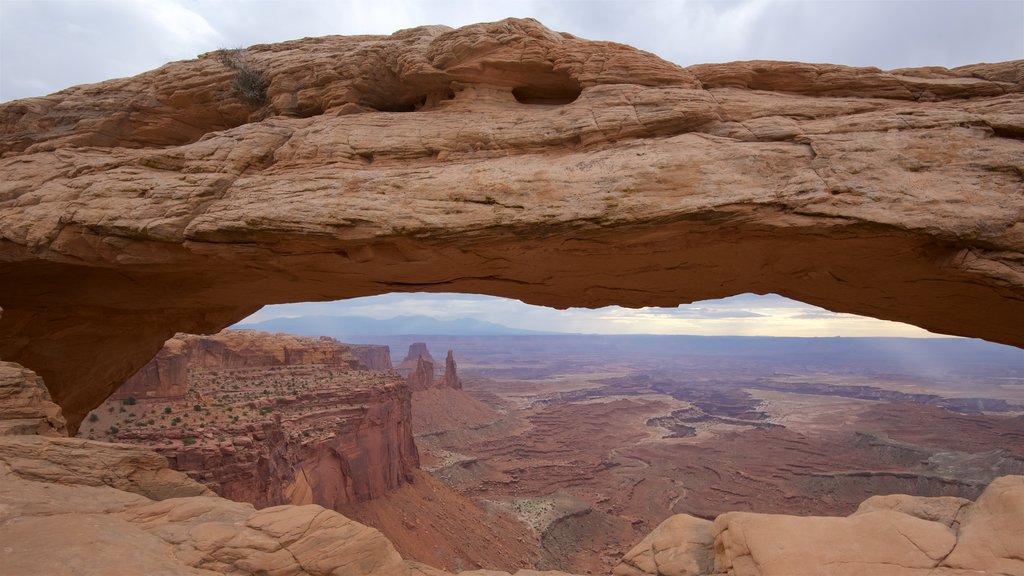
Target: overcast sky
[(48, 45), (744, 314)]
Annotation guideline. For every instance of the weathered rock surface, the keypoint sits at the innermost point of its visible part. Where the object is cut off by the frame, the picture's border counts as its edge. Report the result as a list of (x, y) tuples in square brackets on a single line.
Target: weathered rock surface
[(506, 159), (889, 535), (682, 545), (429, 522), (269, 419), (422, 377), (373, 356), (417, 351), (451, 373), (78, 507), (166, 375), (419, 365), (25, 405), (102, 508)]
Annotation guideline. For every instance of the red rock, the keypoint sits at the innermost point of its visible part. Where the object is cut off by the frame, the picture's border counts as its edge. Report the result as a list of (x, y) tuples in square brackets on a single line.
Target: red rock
[(417, 350), (343, 434), (451, 373), (374, 357), (502, 158), (422, 378)]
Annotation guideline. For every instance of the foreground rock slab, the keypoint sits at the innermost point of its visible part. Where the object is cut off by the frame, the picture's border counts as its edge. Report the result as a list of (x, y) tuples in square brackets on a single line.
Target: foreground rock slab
[(506, 159), (895, 535)]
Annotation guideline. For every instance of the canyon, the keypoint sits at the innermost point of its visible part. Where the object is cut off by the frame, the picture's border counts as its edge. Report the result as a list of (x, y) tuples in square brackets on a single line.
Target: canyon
[(508, 159), (595, 440), (566, 421), (272, 419), (268, 419), (565, 451)]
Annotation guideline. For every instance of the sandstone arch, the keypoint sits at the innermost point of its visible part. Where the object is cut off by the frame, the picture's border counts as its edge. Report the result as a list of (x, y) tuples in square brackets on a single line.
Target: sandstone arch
[(136, 208)]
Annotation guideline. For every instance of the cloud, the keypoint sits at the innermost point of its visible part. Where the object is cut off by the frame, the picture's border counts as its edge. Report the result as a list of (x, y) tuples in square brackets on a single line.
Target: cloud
[(49, 45), (744, 314)]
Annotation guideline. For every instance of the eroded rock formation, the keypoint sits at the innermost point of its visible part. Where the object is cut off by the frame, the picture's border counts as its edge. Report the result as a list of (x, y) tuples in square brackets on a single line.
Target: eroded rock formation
[(422, 378), (374, 357), (896, 534), (506, 159), (419, 365), (417, 351), (451, 373), (73, 506), (269, 419)]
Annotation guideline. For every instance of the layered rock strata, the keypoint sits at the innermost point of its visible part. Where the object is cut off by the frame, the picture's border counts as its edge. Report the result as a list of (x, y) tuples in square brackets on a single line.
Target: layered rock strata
[(74, 506), (374, 357), (70, 506), (451, 373), (417, 351), (270, 419), (505, 159), (422, 375)]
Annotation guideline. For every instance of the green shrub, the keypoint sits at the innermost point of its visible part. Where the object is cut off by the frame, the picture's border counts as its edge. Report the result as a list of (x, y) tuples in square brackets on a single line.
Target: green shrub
[(188, 441), (93, 417)]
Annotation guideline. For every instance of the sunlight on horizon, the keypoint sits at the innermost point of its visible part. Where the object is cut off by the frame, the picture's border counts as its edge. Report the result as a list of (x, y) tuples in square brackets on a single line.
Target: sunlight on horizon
[(740, 315)]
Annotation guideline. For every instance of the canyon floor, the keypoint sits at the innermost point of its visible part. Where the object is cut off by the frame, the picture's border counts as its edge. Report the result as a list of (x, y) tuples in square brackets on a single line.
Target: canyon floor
[(563, 452), (592, 442)]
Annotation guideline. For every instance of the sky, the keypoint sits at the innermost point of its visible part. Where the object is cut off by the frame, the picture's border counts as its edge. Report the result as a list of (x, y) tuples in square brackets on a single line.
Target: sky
[(743, 315), (48, 45)]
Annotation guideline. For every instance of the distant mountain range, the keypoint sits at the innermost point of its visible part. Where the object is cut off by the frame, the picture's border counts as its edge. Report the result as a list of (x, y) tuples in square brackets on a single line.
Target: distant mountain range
[(347, 326)]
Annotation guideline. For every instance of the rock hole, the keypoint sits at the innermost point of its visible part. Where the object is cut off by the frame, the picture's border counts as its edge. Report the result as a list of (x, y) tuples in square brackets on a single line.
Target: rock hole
[(423, 101), (560, 90)]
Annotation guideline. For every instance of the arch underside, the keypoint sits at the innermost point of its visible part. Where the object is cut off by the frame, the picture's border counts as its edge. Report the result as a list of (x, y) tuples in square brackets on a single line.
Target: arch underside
[(93, 332)]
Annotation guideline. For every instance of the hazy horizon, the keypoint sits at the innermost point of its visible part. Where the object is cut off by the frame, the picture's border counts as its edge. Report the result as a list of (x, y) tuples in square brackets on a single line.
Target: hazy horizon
[(740, 315)]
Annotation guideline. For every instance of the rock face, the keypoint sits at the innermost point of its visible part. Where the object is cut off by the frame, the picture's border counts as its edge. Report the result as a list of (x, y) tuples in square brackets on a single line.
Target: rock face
[(165, 377), (451, 373), (417, 351), (682, 545), (505, 159), (898, 535), (422, 378), (420, 366), (70, 506), (373, 356), (270, 419), (25, 405)]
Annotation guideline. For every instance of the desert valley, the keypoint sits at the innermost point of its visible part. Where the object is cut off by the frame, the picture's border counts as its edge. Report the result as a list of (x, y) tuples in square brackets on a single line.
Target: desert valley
[(562, 452)]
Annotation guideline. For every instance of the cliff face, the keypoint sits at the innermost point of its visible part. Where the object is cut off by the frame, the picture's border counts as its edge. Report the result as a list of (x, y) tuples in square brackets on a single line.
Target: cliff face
[(417, 351), (419, 365), (451, 373), (270, 419), (422, 378), (374, 357), (164, 377)]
